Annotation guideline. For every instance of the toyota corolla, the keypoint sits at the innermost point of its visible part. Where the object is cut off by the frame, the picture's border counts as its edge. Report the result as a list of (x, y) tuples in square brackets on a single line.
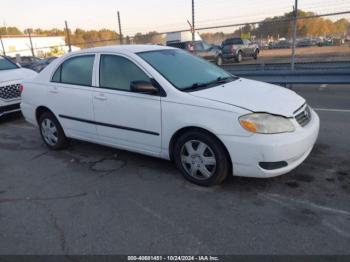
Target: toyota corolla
[(167, 103)]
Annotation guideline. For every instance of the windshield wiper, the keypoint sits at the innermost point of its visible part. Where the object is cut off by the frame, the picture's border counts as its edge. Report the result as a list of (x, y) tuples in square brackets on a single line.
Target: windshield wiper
[(196, 86), (219, 80)]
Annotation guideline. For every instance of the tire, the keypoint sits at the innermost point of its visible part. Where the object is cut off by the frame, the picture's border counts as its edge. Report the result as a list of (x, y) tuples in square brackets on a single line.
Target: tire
[(219, 60), (256, 54), (207, 164), (239, 57), (51, 132)]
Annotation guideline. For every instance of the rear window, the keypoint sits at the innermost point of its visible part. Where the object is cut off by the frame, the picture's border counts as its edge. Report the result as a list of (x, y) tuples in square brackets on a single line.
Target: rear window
[(75, 71), (180, 45), (233, 41)]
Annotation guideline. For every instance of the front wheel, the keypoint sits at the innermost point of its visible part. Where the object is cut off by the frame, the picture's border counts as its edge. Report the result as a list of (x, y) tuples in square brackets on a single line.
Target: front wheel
[(201, 158), (52, 132), (219, 60)]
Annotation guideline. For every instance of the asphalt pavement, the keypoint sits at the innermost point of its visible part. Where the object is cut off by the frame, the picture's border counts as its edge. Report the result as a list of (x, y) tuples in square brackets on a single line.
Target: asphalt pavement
[(91, 199)]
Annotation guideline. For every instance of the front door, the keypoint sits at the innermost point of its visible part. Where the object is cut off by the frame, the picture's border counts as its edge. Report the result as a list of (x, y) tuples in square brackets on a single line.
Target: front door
[(124, 118)]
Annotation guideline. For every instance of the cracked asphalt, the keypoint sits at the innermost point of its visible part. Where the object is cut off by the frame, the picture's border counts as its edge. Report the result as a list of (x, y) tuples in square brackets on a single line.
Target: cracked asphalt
[(91, 199)]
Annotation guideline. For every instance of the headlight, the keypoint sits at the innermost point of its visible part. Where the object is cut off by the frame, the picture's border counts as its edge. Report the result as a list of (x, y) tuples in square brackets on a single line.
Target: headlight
[(263, 123)]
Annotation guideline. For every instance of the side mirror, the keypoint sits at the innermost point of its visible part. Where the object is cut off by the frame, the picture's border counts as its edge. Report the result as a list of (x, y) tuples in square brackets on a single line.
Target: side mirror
[(143, 87)]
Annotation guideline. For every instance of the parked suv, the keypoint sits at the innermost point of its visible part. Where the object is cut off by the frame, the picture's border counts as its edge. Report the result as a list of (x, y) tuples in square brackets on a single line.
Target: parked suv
[(202, 49), (11, 76), (237, 48)]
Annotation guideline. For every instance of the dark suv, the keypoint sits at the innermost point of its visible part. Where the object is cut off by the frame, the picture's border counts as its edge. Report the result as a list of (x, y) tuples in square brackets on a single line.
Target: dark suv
[(237, 48), (201, 49)]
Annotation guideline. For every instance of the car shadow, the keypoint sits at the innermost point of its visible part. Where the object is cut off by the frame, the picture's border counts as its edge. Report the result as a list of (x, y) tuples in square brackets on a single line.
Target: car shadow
[(10, 117)]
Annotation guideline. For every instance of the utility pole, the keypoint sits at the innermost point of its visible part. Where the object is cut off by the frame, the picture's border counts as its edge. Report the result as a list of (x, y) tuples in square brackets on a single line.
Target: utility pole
[(193, 24), (68, 37), (294, 34), (31, 42), (120, 30), (5, 25), (2, 44)]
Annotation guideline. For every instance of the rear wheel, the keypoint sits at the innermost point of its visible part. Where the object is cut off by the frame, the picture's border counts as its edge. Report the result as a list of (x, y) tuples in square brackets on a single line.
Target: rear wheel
[(239, 57), (256, 54), (201, 158), (52, 132)]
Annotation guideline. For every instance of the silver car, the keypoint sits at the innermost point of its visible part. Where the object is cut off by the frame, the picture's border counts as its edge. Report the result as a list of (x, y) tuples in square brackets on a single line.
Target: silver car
[(237, 48)]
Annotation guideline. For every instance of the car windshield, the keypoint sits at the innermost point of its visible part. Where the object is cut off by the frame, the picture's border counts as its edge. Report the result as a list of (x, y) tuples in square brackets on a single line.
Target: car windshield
[(185, 71), (5, 64)]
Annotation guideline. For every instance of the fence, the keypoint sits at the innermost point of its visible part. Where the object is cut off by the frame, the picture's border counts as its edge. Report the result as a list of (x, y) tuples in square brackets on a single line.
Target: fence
[(326, 39)]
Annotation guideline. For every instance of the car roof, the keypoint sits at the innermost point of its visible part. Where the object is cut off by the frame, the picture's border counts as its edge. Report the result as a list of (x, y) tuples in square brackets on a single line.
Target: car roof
[(125, 48)]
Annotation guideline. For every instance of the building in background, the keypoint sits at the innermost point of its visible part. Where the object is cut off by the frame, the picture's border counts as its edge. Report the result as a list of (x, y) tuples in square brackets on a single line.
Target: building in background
[(43, 46)]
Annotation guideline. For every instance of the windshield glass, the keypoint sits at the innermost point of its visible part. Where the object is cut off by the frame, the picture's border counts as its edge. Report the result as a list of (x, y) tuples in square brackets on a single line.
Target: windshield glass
[(185, 71), (6, 64)]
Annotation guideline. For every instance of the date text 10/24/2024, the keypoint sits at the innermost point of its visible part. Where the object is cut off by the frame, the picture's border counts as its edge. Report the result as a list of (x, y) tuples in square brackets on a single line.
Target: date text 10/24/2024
[(173, 258)]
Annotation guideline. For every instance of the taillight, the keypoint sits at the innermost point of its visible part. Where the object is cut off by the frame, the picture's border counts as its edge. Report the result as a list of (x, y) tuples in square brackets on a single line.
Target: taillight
[(20, 88), (191, 48)]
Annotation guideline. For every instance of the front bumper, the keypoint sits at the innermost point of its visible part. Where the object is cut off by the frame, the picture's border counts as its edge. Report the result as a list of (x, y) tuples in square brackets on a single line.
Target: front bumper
[(247, 152), (229, 56), (8, 109)]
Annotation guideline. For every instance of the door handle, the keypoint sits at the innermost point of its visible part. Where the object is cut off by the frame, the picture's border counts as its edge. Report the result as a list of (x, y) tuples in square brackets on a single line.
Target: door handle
[(100, 97), (54, 90)]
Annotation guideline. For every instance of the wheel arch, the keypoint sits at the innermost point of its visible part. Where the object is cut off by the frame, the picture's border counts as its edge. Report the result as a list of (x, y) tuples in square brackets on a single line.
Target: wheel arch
[(40, 110), (184, 130)]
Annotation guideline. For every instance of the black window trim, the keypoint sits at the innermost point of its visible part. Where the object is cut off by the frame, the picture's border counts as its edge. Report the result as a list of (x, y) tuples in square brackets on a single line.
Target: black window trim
[(69, 58), (161, 91)]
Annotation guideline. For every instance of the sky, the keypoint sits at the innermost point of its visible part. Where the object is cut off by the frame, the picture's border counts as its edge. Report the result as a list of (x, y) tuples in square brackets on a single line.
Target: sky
[(151, 15)]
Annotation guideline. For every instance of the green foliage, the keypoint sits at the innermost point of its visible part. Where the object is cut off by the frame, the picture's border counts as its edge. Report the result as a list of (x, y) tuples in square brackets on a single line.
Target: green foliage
[(149, 38), (92, 38), (310, 27), (10, 31), (281, 26)]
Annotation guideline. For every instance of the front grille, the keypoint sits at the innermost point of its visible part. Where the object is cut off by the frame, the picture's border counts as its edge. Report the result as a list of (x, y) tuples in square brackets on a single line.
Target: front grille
[(10, 92), (304, 117)]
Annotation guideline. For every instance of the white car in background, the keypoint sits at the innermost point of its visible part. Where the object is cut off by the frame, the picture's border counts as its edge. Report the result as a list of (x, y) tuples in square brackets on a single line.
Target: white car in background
[(11, 77), (167, 103)]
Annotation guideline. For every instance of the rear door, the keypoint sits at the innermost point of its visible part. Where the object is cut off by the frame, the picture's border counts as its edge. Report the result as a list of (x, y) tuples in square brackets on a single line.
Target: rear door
[(124, 118), (70, 95), (248, 47)]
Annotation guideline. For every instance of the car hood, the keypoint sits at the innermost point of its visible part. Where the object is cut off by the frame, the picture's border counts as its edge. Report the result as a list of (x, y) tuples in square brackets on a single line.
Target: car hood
[(18, 74), (254, 96)]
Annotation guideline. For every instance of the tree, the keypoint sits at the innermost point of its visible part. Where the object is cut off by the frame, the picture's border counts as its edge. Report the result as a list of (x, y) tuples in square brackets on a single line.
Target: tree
[(10, 31)]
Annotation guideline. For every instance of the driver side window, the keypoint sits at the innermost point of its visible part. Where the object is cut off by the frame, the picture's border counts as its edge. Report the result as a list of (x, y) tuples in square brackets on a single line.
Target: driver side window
[(117, 72), (198, 46), (206, 46), (246, 42)]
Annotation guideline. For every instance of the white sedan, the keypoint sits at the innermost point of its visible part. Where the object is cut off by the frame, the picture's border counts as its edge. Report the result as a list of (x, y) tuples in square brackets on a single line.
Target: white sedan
[(167, 103), (11, 76)]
